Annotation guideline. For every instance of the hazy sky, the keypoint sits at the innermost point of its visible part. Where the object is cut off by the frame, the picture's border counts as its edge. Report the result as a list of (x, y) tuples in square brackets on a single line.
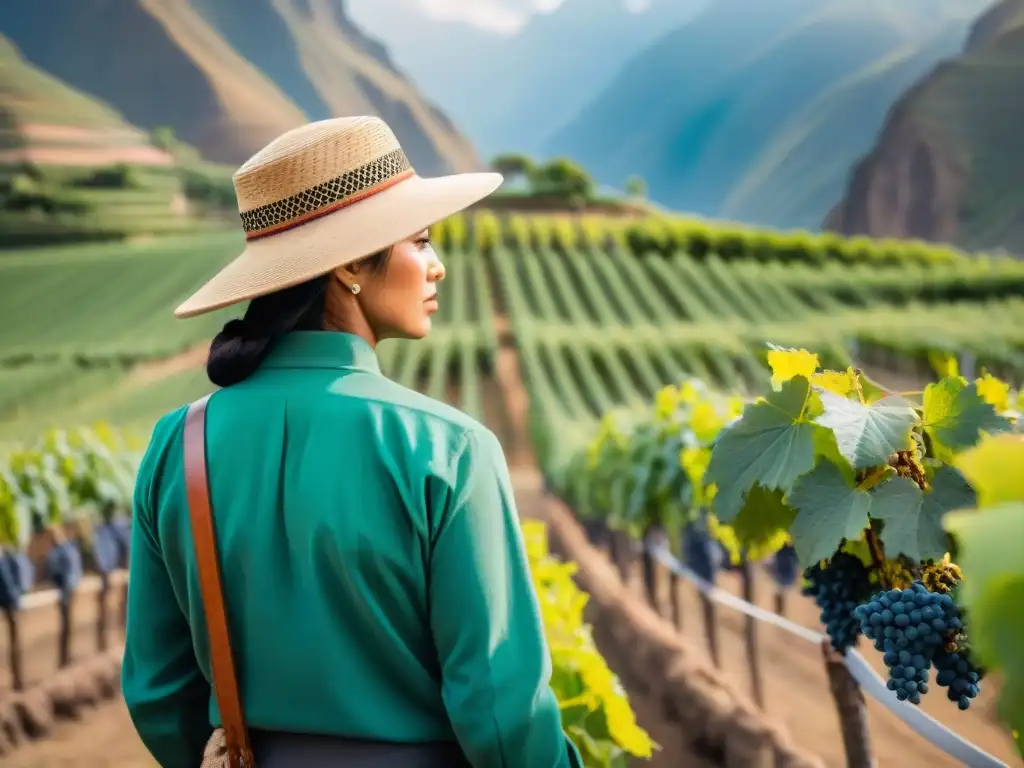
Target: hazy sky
[(504, 16)]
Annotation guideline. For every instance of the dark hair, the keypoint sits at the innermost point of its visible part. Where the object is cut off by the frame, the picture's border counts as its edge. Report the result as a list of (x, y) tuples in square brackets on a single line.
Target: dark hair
[(243, 344)]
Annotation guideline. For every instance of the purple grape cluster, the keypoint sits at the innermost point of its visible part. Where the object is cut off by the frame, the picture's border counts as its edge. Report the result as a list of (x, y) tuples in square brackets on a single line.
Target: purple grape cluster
[(16, 576), (957, 673), (64, 567), (911, 626), (838, 589)]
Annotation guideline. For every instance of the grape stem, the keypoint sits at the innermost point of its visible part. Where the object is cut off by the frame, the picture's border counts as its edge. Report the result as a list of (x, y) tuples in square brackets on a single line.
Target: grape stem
[(874, 477), (877, 554)]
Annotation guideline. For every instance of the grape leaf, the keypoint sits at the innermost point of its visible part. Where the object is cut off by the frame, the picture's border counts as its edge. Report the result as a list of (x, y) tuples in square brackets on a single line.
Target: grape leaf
[(762, 525), (954, 414), (994, 469), (789, 363), (772, 444), (913, 518), (994, 391), (828, 510), (992, 558), (838, 382), (868, 434)]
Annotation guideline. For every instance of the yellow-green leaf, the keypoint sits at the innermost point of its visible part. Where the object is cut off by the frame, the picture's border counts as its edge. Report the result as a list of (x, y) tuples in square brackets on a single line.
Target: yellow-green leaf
[(788, 363), (995, 468)]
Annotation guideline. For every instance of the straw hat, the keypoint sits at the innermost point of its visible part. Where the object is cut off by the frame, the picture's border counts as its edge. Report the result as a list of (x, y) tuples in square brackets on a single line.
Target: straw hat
[(324, 195)]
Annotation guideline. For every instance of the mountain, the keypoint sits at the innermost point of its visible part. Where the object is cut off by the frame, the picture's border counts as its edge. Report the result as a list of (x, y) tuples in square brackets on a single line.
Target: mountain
[(757, 110), (511, 92), (948, 162), (229, 75)]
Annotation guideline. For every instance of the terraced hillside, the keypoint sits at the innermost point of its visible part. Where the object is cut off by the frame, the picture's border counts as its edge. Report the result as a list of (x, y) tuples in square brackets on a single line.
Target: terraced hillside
[(71, 167), (207, 69)]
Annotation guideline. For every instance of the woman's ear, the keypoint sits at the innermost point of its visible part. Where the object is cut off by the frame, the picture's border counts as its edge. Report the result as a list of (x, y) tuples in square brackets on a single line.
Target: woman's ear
[(348, 275)]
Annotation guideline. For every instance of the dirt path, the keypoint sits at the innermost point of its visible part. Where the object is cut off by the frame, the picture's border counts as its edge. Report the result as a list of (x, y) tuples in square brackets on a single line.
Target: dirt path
[(157, 370)]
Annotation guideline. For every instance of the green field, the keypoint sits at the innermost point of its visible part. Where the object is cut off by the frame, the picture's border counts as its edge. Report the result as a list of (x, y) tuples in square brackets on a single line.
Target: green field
[(603, 314)]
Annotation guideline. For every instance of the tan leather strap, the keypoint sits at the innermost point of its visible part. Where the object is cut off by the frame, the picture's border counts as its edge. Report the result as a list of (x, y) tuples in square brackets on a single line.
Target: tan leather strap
[(225, 682)]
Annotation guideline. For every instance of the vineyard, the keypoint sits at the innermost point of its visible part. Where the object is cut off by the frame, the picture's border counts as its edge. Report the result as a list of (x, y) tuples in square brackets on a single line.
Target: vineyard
[(751, 395)]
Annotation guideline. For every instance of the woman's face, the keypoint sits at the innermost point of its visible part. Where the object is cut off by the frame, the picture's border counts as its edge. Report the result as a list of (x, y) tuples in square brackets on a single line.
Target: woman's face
[(399, 298)]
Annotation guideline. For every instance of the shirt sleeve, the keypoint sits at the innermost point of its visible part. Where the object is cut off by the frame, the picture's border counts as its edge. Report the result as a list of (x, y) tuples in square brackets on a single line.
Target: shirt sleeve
[(495, 662), (167, 695)]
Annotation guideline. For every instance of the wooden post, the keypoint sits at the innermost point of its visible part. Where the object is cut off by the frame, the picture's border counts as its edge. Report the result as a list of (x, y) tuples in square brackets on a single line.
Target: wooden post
[(14, 651), (651, 536), (853, 717), (711, 628), (750, 634), (780, 602), (101, 605), (675, 589), (65, 604), (620, 553), (124, 606)]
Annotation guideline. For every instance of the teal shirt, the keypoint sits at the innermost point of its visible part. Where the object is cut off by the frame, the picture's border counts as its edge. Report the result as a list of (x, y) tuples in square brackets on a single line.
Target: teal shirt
[(376, 580)]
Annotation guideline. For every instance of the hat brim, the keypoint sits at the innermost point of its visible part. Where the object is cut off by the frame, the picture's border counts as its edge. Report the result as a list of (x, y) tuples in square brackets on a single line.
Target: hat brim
[(313, 249)]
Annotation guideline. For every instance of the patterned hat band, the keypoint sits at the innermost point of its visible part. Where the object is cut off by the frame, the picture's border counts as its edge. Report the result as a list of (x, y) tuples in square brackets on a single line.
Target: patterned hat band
[(344, 190)]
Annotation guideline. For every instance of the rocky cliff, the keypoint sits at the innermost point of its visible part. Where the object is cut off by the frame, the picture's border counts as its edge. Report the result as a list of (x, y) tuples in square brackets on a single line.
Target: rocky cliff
[(229, 75), (948, 161)]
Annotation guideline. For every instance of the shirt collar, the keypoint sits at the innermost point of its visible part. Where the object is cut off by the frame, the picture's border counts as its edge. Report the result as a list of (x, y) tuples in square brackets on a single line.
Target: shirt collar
[(322, 349)]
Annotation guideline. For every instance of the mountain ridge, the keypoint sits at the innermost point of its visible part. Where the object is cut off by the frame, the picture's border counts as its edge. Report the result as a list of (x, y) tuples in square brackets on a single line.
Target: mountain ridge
[(729, 84), (947, 162), (180, 63)]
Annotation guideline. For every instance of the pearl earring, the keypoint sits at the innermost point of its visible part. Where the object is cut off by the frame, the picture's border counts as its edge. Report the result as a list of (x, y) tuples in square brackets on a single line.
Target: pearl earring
[(355, 288)]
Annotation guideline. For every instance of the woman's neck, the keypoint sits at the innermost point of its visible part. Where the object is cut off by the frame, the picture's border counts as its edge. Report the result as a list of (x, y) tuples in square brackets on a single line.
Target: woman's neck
[(343, 314)]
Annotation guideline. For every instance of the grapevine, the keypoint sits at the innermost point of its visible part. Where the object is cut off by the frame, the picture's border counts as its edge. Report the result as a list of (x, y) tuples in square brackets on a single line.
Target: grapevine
[(866, 476), (853, 480)]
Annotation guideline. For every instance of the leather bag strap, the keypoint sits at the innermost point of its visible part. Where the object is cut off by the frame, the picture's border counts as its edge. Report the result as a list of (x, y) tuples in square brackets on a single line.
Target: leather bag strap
[(225, 682)]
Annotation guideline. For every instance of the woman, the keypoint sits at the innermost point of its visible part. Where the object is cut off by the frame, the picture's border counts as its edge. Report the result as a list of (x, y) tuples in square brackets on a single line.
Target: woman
[(378, 599)]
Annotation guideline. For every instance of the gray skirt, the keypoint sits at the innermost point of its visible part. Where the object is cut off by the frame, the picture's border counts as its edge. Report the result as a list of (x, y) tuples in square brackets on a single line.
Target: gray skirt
[(296, 750)]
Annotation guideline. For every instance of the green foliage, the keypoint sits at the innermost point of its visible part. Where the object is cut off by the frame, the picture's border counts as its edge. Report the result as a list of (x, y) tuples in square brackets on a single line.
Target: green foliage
[(562, 178), (850, 463), (210, 186), (773, 445), (990, 540), (636, 187), (595, 711), (65, 478), (119, 176), (513, 165)]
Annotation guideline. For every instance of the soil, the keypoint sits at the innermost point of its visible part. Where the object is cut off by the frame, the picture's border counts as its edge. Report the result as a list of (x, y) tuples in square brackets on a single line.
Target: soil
[(796, 688)]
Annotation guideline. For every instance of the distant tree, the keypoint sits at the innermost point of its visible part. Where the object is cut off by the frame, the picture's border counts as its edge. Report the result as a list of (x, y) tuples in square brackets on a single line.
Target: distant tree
[(513, 165), (636, 187), (162, 137), (563, 178)]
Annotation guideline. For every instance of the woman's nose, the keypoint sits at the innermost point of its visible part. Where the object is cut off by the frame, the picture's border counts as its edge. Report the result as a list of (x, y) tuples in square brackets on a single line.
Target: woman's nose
[(436, 272)]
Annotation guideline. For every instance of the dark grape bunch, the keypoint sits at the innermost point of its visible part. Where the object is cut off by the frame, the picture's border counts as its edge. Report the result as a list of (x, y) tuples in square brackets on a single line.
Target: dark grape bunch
[(911, 626), (956, 672), (64, 567), (784, 567), (701, 553), (16, 575), (838, 589)]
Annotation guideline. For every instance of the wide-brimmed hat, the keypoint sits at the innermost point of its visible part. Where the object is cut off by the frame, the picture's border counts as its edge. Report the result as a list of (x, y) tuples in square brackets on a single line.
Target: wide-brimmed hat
[(327, 194)]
